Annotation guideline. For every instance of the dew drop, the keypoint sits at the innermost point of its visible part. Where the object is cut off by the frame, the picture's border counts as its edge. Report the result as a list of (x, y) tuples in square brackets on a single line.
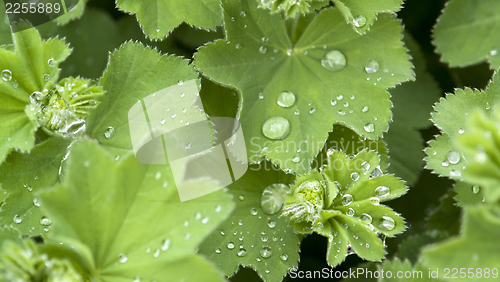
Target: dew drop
[(461, 131), (205, 220), (45, 221), (271, 224), (217, 251), (347, 199), (284, 257), (253, 211), (188, 146), (46, 77), (386, 223), (266, 252), (122, 258), (15, 84), (157, 175), (6, 75), (312, 110), (366, 218), (242, 253), (286, 99), (476, 189), (51, 62), (218, 208), (350, 212), (382, 191), (296, 159), (493, 52), (334, 61), (36, 202), (36, 98), (261, 96), (365, 166), (157, 253), (369, 127), (365, 109), (276, 128), (265, 39), (230, 245), (445, 163), (263, 49), (297, 112), (341, 112), (453, 157), (289, 52), (333, 102), (110, 132), (241, 197), (359, 21), (375, 200), (165, 245), (340, 97), (17, 219), (354, 176), (372, 66)]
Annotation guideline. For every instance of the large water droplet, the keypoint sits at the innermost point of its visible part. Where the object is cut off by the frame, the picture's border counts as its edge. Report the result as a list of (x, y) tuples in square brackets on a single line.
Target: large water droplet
[(386, 223), (276, 128), (347, 199), (242, 253), (17, 219), (122, 258), (230, 245), (354, 176), (359, 21), (36, 98), (382, 191), (476, 189), (46, 77), (165, 245), (110, 132), (284, 257), (366, 218), (365, 109), (334, 61), (217, 251), (263, 49), (266, 252), (45, 221), (286, 99), (273, 197), (350, 212), (51, 62), (271, 224), (6, 75), (369, 127), (453, 157), (375, 200), (36, 202), (372, 66)]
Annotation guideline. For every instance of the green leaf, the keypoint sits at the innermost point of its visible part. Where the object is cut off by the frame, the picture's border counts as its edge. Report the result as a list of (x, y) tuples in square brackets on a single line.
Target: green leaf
[(92, 38), (342, 203), (412, 104), (465, 33), (22, 175), (446, 217), (259, 240), (75, 13), (291, 8), (476, 248), (444, 156), (11, 234), (159, 17), (403, 271), (468, 194), (132, 225), (135, 72), (218, 101), (24, 71), (260, 60), (362, 13), (411, 247)]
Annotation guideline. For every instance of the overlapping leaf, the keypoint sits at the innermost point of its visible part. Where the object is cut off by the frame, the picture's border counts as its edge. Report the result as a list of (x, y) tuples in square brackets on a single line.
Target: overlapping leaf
[(444, 156), (158, 17), (362, 13), (22, 175), (475, 249), (465, 33), (250, 236), (260, 60), (25, 68), (128, 222)]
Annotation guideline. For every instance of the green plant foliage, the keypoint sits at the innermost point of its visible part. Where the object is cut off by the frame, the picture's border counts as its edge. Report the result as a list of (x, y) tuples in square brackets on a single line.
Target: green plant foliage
[(478, 235), (25, 69), (251, 236), (397, 267), (22, 176), (468, 194), (444, 156), (261, 60), (361, 14), (108, 207), (342, 203), (465, 33), (291, 8), (412, 105), (168, 14)]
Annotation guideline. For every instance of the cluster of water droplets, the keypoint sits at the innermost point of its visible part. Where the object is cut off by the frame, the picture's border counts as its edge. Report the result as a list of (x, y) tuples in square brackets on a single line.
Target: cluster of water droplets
[(454, 158)]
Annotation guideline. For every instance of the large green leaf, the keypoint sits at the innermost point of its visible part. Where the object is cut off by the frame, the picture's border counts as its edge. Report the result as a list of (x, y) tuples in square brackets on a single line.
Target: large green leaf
[(133, 225), (261, 60), (22, 175), (476, 250), (444, 156), (135, 72), (465, 33), (362, 13), (159, 17), (25, 68), (412, 106), (250, 236)]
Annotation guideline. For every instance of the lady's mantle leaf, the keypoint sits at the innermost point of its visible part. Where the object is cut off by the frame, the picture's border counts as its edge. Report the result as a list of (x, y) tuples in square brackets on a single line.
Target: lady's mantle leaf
[(22, 175), (342, 203), (158, 17), (362, 13), (477, 247), (260, 60), (26, 67), (466, 33), (444, 156), (250, 236), (129, 217)]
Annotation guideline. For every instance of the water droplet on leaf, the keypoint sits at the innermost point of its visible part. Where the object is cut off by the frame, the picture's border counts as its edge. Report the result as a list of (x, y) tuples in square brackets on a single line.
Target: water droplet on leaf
[(369, 127), (347, 199), (276, 128), (386, 223), (6, 75), (334, 61), (110, 132), (286, 99), (372, 66), (453, 157)]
